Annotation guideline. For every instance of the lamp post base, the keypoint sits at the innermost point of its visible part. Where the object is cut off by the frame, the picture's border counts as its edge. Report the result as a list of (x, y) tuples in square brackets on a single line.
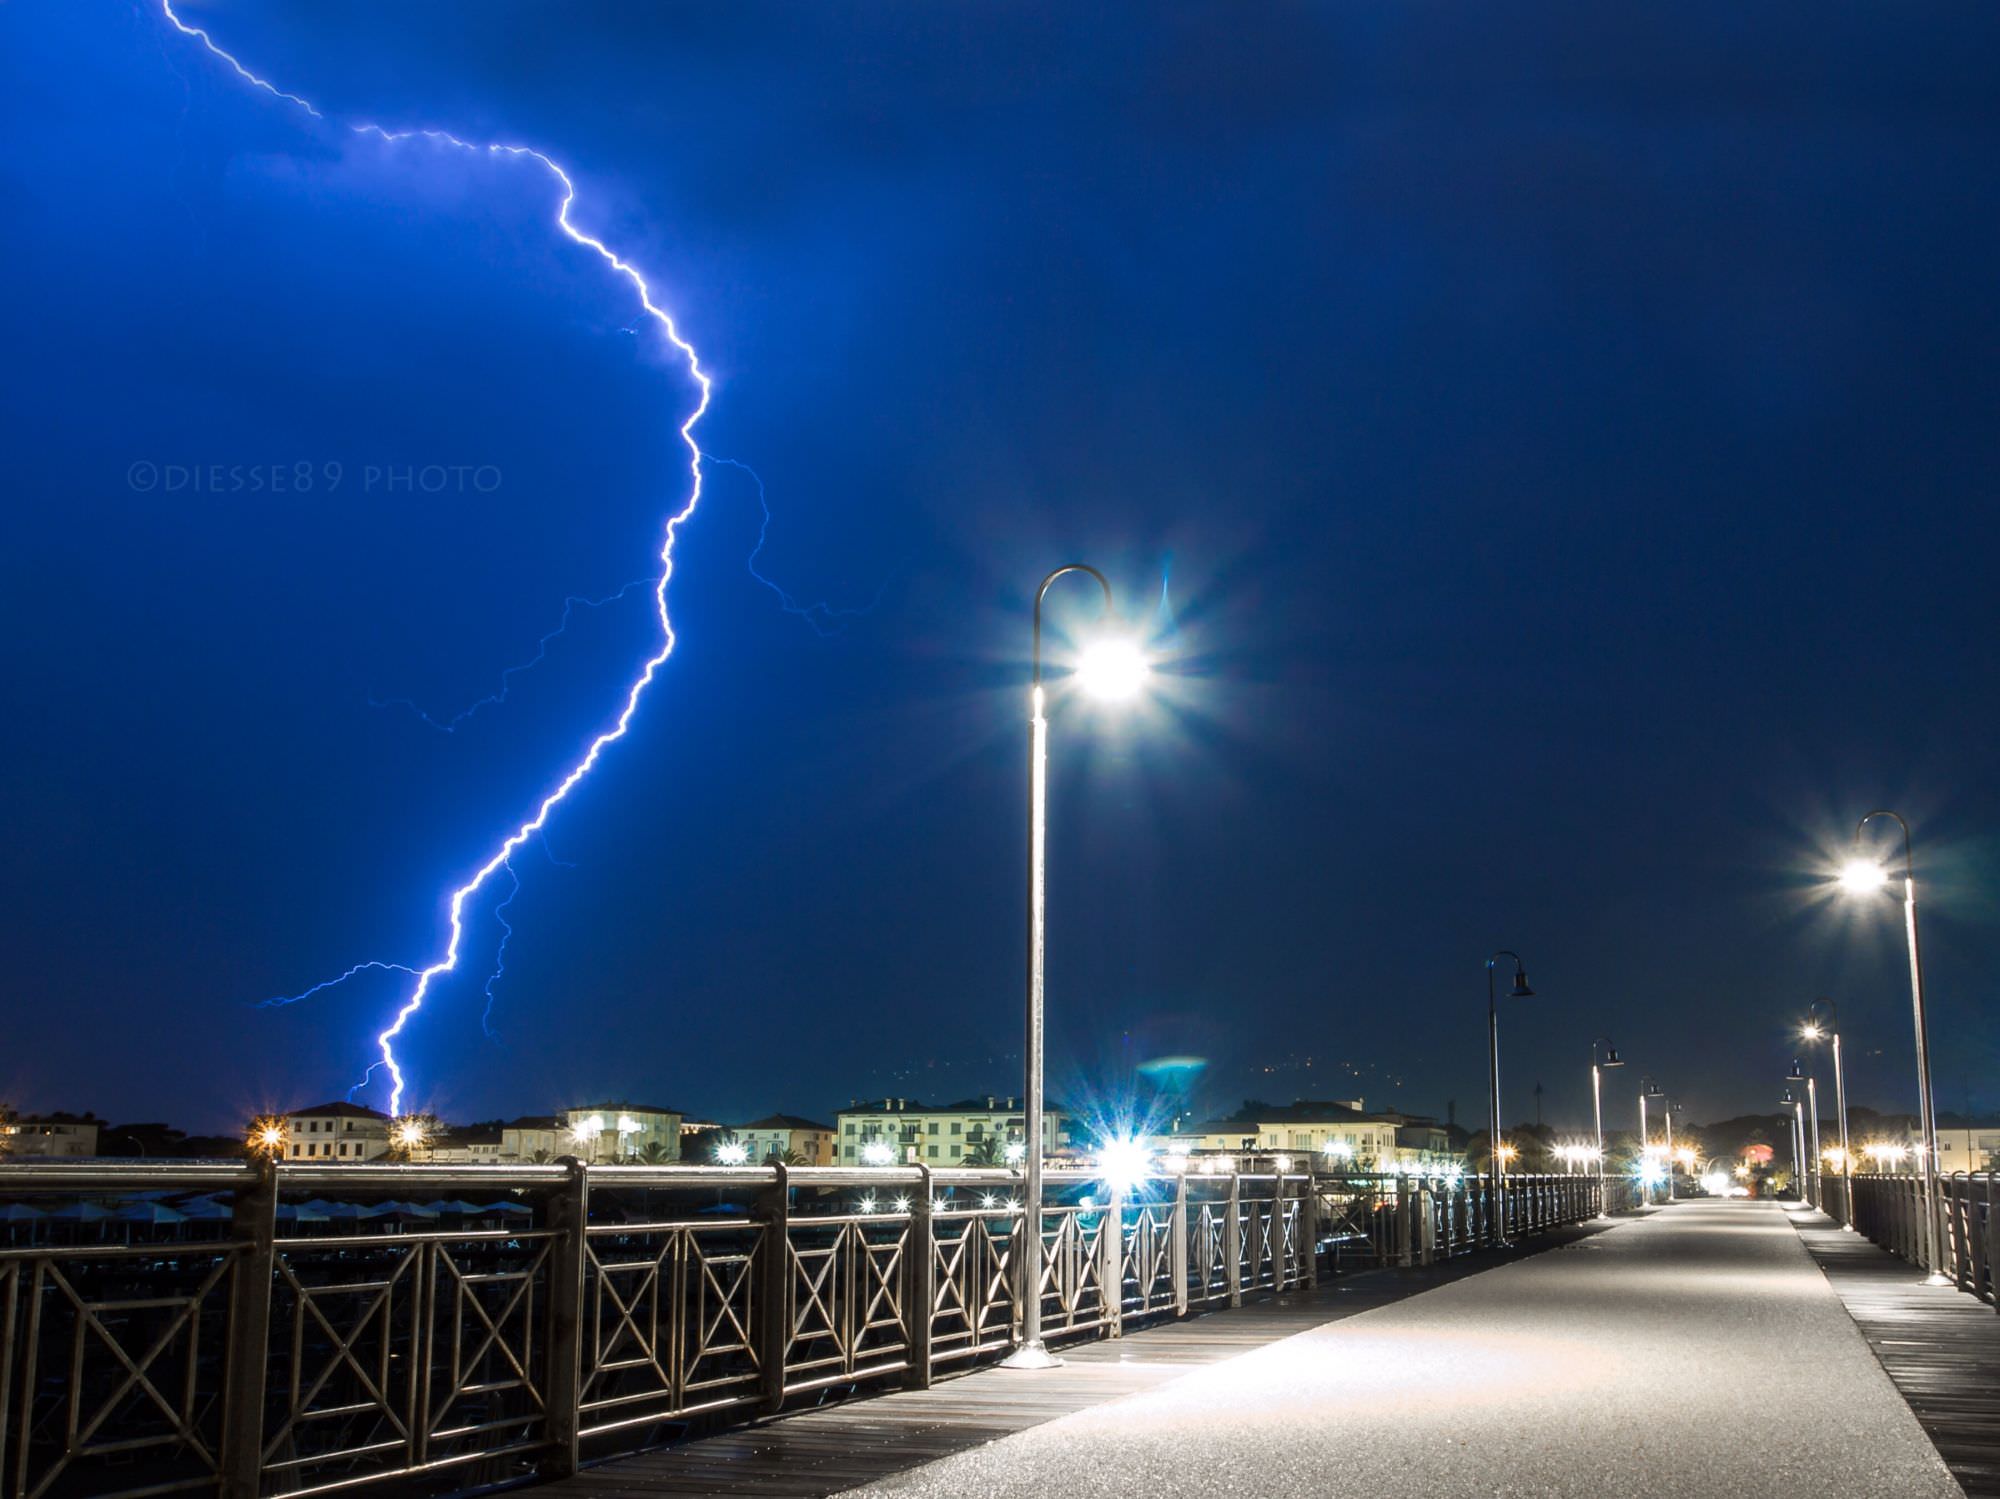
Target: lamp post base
[(1939, 1278), (1031, 1356)]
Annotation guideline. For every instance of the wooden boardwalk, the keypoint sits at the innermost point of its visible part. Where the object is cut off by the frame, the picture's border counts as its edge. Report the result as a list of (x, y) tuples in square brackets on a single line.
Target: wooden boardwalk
[(813, 1453), (1941, 1348)]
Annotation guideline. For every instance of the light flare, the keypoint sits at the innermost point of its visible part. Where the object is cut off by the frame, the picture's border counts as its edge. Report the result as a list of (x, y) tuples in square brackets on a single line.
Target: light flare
[(623, 269)]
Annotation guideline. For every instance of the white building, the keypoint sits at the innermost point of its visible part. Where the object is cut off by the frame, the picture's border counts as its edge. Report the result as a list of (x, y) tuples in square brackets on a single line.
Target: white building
[(1967, 1149), (336, 1132), (606, 1132), (536, 1137), (788, 1135), (1331, 1134), (975, 1131), (52, 1137)]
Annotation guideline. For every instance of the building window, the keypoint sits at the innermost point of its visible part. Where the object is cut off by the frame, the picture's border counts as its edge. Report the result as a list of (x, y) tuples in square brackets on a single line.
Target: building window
[(956, 1127)]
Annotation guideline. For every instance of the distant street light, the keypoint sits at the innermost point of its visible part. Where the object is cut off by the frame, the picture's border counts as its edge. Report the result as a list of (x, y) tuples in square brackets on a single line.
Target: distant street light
[(1648, 1089), (1865, 877), (1797, 1074), (1816, 1029), (267, 1136), (1597, 1110), (1496, 1147), (1798, 1141), (1115, 670)]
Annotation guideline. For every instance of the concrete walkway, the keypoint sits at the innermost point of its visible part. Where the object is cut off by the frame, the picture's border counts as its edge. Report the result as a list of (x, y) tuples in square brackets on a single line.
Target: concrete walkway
[(1697, 1351)]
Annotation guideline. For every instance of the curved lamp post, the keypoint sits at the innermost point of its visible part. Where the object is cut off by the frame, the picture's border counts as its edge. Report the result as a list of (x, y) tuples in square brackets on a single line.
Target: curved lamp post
[(1863, 876), (1816, 1029), (1611, 1059), (1110, 669), (1495, 1148), (1798, 1075), (1649, 1089)]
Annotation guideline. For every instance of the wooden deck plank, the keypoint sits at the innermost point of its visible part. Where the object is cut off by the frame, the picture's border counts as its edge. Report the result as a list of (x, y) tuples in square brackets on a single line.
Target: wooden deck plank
[(1940, 1347)]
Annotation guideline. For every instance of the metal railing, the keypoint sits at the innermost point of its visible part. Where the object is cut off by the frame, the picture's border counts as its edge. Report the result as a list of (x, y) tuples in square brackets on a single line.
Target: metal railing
[(1890, 1211), (300, 1329)]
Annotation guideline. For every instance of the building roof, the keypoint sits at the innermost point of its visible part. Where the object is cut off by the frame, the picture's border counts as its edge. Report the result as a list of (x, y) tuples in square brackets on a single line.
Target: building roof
[(786, 1121), (985, 1103), (625, 1107), (469, 1134), (538, 1121), (1300, 1111), (337, 1111)]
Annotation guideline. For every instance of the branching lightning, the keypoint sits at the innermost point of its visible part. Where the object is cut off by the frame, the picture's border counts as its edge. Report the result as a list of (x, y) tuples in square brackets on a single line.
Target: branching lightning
[(533, 825), (499, 952), (823, 619), (494, 699)]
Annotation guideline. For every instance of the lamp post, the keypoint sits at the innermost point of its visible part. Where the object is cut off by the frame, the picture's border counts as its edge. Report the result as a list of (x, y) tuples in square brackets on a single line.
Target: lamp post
[(1611, 1059), (1495, 1148), (1649, 1089), (1112, 669), (1798, 1074), (1792, 1103), (1864, 876), (1813, 1030)]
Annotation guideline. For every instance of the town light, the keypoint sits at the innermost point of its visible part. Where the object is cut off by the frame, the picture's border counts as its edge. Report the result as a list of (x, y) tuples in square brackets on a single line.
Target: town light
[(267, 1136), (1283, 1163), (1016, 1152), (878, 1153), (584, 1131), (411, 1132), (731, 1153), (1339, 1150), (1124, 1163), (1110, 669)]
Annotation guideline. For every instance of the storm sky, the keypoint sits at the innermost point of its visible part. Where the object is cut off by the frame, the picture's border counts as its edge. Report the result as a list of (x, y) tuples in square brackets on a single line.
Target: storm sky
[(1550, 449)]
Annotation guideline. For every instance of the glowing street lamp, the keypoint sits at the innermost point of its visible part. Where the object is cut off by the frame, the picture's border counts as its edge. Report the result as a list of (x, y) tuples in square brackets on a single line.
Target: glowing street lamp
[(1114, 670), (1611, 1059), (878, 1153), (731, 1153), (1816, 1029), (410, 1134), (267, 1136), (1496, 1147), (1796, 1075), (1864, 877)]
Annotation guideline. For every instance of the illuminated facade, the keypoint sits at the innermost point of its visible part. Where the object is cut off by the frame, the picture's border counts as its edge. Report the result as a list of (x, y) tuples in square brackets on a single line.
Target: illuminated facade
[(785, 1135), (973, 1132), (336, 1132), (600, 1133)]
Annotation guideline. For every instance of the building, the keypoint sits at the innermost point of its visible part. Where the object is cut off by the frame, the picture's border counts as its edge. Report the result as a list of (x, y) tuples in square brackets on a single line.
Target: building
[(1970, 1146), (535, 1137), (789, 1137), (336, 1132), (464, 1145), (1340, 1132), (972, 1132), (619, 1131), (56, 1136)]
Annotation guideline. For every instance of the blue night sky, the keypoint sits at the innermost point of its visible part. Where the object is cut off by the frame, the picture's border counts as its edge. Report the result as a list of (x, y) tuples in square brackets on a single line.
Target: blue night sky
[(1552, 446)]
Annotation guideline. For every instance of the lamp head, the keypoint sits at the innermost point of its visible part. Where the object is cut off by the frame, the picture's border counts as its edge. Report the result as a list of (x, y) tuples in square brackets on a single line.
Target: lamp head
[(1862, 876), (1797, 1074), (1520, 989), (1811, 1030), (1113, 669), (1611, 1057)]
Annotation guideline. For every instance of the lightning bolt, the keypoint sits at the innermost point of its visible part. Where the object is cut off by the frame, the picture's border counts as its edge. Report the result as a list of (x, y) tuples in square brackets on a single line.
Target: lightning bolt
[(577, 772), (823, 619)]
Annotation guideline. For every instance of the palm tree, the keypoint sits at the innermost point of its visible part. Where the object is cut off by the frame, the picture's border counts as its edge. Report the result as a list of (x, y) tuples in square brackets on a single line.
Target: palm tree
[(655, 1154), (776, 1157), (540, 1158), (985, 1151)]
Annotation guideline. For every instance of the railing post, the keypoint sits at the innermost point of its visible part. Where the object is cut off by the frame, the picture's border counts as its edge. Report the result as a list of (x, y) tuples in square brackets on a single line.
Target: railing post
[(920, 1283), (1427, 1231), (1111, 1261), (569, 1253), (253, 1228), (1178, 1254), (1401, 1219), (773, 1324), (1232, 1241), (1309, 1227)]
